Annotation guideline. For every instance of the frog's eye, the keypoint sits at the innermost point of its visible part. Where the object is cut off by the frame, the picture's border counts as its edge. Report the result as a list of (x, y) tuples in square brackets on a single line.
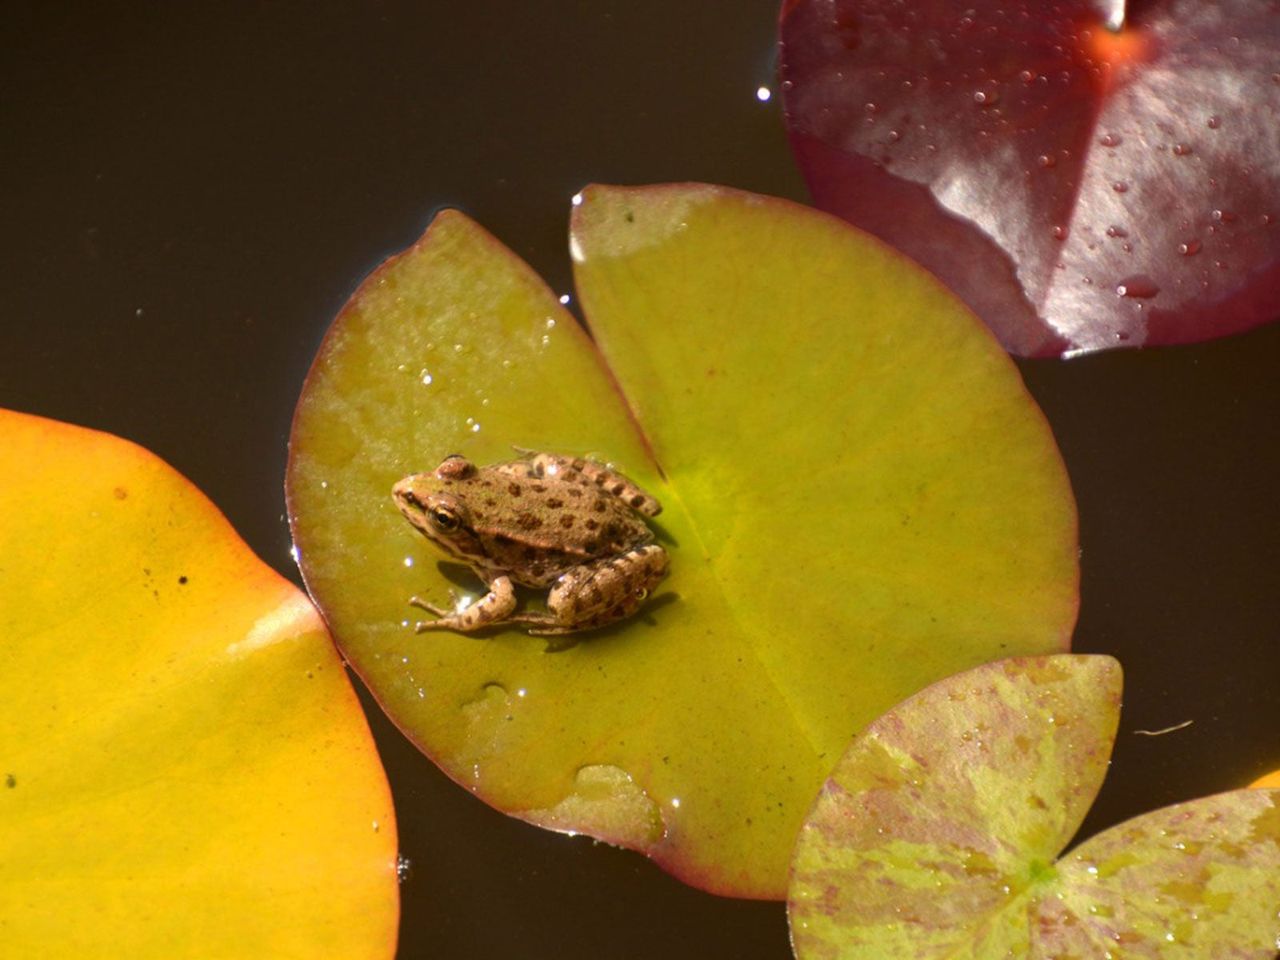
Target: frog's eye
[(444, 518)]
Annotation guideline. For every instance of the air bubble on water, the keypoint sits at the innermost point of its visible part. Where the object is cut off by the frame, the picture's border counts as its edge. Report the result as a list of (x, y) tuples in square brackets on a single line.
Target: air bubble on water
[(1181, 149), (1213, 123), (404, 869), (1117, 232), (1045, 160), (1059, 233), (1120, 186), (986, 98), (1111, 140), (1190, 248)]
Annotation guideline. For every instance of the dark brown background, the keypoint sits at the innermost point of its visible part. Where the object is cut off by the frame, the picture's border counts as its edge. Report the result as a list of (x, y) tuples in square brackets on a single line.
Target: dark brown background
[(190, 191)]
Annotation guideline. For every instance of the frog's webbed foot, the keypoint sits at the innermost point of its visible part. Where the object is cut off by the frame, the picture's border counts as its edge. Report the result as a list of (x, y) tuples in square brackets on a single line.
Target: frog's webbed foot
[(493, 607), (432, 608)]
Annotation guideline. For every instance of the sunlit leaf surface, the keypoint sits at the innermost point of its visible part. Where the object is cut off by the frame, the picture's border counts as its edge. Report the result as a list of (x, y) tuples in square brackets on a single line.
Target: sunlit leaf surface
[(859, 498), (184, 768), (938, 832), (1079, 189)]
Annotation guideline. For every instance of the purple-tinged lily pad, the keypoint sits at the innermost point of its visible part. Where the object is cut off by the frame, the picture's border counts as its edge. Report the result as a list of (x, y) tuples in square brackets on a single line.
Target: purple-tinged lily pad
[(938, 834), (1079, 189)]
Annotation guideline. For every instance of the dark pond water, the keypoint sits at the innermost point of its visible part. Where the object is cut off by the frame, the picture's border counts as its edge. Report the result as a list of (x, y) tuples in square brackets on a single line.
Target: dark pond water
[(191, 191)]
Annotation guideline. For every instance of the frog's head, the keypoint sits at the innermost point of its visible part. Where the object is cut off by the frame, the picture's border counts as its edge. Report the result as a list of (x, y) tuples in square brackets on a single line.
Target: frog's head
[(431, 502)]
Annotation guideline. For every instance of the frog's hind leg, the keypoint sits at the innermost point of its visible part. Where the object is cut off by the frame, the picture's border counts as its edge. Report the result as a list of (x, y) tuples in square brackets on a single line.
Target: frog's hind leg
[(589, 473), (596, 594), (494, 607)]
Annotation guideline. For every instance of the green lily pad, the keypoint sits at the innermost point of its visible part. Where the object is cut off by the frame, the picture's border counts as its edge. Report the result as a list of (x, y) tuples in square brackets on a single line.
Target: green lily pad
[(185, 770), (860, 498), (937, 833)]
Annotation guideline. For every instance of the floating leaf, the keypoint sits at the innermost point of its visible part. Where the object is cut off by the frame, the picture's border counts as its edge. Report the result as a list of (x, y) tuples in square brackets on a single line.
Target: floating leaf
[(860, 498), (1079, 189), (937, 833), (184, 767)]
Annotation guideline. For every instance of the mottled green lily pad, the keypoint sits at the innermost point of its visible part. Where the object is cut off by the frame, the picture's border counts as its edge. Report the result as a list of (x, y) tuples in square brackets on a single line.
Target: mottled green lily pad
[(860, 498), (939, 831)]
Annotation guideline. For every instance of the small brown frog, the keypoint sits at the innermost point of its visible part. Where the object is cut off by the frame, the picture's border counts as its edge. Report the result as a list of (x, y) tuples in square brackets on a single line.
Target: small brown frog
[(570, 524)]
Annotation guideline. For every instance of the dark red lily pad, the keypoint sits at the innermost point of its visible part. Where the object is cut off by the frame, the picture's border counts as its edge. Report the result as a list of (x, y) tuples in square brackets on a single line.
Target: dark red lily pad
[(1079, 189)]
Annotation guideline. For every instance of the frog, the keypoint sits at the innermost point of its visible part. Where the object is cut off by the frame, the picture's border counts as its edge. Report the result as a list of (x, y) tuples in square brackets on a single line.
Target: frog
[(570, 525)]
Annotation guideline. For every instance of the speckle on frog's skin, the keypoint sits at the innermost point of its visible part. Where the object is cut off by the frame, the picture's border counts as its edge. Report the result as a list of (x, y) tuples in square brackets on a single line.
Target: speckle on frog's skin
[(10, 780), (598, 570)]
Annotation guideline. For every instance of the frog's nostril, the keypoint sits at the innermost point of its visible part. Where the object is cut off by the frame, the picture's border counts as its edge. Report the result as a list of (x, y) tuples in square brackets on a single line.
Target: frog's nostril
[(411, 498)]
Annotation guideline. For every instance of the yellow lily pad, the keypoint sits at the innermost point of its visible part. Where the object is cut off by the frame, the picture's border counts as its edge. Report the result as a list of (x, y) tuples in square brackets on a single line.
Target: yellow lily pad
[(184, 767), (939, 832), (860, 498)]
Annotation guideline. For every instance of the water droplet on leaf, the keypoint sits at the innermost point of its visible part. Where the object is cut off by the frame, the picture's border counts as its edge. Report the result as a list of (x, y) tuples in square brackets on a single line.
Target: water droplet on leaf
[(1138, 286)]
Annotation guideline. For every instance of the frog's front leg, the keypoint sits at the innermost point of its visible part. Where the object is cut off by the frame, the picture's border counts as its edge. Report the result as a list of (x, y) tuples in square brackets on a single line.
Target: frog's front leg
[(494, 607), (596, 594)]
